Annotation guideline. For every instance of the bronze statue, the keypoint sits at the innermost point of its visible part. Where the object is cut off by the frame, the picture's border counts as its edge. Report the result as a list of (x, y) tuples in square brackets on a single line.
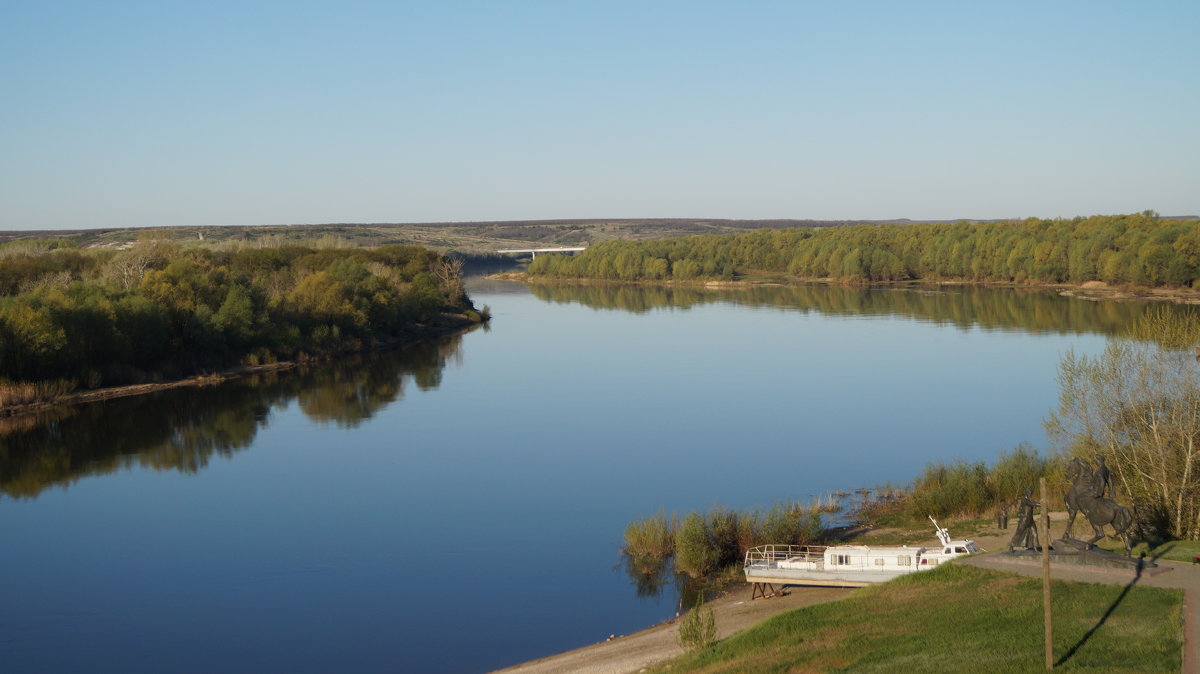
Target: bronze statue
[(1026, 533), (1086, 496), (1103, 479)]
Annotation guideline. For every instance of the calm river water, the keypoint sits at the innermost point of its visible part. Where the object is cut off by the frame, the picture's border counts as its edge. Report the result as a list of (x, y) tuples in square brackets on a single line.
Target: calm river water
[(459, 506)]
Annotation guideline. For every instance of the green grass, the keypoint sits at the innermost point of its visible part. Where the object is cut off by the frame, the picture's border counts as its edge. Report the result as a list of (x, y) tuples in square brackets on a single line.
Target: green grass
[(960, 618), (1180, 551)]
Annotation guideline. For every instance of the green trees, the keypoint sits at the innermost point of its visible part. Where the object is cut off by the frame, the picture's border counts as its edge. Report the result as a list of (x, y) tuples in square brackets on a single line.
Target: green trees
[(92, 318), (702, 543), (1140, 249), (1138, 405)]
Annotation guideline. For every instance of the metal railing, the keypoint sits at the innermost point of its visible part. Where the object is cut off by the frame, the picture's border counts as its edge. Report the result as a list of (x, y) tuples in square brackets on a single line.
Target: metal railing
[(777, 553)]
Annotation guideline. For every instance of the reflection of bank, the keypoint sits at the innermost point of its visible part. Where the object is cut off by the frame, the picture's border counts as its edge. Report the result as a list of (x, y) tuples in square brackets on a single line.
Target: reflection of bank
[(182, 429), (1035, 311), (652, 576)]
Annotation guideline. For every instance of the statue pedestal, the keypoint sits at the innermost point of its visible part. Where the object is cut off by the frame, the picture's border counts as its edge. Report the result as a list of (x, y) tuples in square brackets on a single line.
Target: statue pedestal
[(1073, 552)]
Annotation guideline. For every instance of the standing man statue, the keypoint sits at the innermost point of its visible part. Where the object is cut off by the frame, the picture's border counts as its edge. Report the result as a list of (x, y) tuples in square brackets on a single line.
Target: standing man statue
[(1103, 479), (1026, 533)]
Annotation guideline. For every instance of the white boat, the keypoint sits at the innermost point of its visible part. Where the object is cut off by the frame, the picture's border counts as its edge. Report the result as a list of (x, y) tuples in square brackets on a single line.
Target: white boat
[(846, 565)]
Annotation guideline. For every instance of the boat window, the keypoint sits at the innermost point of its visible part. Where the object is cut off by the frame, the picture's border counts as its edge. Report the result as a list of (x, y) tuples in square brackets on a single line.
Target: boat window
[(841, 559), (960, 549), (904, 560), (879, 561), (947, 551)]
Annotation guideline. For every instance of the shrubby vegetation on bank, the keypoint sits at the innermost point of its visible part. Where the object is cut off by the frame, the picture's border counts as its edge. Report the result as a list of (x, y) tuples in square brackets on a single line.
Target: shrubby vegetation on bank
[(158, 310), (1141, 249), (701, 543), (962, 488)]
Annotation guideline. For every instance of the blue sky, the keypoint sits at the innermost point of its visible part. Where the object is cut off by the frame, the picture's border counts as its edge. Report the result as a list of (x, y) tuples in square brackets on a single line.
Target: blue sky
[(162, 113)]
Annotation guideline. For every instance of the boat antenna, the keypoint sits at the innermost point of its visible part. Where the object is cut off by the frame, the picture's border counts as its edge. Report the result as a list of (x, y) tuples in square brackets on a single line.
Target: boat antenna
[(942, 534)]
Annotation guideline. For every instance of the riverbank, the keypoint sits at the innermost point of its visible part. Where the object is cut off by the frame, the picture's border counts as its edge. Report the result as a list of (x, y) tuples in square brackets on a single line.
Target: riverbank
[(1091, 290), (735, 612), (732, 609), (447, 325)]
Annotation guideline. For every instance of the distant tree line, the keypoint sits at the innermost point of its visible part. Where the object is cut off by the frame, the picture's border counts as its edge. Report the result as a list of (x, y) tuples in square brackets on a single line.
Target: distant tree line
[(1141, 249), (80, 317)]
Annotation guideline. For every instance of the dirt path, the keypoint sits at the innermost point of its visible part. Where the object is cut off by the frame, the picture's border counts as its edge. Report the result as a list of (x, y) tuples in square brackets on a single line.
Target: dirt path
[(733, 612)]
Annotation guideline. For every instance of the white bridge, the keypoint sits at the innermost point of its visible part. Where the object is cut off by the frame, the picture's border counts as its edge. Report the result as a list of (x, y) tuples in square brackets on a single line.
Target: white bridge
[(535, 251)]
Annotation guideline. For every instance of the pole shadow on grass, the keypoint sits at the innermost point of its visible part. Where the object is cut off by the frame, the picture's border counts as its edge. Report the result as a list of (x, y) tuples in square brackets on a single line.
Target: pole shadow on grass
[(1112, 607)]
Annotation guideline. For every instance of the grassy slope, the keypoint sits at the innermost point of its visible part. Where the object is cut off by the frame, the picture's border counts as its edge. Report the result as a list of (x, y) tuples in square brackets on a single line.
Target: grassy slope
[(960, 618)]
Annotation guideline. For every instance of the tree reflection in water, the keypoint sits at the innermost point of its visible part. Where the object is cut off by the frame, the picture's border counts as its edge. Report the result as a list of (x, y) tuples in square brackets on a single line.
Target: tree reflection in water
[(1023, 309), (650, 577), (181, 429)]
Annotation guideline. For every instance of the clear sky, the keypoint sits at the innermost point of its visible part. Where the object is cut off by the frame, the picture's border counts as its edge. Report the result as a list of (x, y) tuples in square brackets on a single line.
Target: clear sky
[(193, 113)]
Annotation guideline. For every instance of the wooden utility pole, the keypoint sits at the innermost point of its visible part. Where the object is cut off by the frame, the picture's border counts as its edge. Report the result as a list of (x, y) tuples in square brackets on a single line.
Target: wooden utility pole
[(1046, 576)]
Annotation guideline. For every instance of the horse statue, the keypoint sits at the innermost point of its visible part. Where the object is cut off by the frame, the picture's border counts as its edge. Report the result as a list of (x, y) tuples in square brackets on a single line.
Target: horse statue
[(1087, 496)]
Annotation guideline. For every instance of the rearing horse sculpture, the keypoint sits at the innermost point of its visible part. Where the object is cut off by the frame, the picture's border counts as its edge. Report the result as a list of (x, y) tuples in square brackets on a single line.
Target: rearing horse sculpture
[(1084, 497)]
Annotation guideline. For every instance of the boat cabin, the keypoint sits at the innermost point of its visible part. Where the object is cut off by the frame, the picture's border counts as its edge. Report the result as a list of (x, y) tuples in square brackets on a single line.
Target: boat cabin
[(847, 565)]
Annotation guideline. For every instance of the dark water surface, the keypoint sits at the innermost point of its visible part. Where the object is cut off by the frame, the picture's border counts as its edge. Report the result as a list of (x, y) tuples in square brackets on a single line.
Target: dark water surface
[(459, 506)]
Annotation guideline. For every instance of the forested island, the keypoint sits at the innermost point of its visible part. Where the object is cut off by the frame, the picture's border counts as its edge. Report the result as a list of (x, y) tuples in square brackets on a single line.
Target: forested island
[(75, 318), (1140, 250)]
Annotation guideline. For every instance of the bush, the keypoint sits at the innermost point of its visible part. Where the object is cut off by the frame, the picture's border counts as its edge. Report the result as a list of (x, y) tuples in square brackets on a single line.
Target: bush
[(974, 489), (651, 538), (1015, 472), (723, 527), (957, 488), (698, 629), (695, 553), (788, 523)]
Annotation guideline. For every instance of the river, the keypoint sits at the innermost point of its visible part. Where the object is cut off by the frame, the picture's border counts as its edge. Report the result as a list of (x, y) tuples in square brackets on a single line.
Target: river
[(459, 506)]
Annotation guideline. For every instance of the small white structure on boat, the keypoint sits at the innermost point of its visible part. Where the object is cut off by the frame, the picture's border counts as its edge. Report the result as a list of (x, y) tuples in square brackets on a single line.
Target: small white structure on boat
[(845, 565)]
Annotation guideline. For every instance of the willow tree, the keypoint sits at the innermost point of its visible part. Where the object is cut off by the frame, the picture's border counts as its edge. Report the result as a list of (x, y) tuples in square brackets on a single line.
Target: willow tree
[(1138, 405)]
